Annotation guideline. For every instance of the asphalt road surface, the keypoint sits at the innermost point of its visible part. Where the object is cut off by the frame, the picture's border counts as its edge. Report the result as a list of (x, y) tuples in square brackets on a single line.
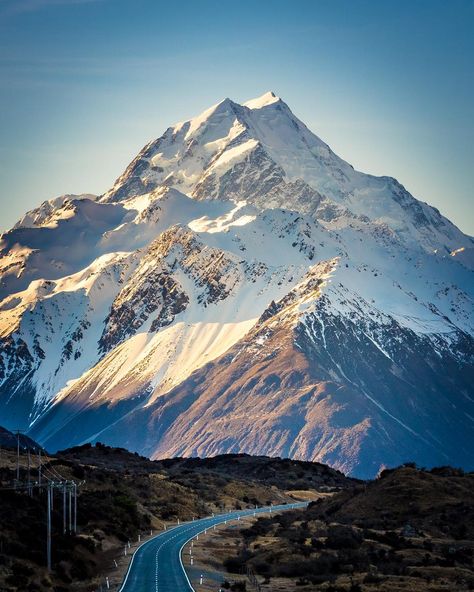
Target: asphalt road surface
[(156, 566)]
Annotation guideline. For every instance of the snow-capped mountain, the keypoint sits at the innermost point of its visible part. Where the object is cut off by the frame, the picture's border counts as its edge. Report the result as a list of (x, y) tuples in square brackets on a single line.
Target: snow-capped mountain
[(242, 288)]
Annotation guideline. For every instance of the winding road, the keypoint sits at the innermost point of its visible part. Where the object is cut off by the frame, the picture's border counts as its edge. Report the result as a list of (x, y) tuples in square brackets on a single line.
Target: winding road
[(157, 566)]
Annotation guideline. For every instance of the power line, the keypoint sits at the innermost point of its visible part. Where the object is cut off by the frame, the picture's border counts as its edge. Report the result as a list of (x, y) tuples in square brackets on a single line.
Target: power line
[(49, 479), (52, 476), (55, 472)]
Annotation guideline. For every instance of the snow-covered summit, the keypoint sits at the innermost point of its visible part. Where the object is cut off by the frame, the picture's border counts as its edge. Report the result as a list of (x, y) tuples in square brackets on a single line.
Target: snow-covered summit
[(261, 152), (241, 287), (267, 98)]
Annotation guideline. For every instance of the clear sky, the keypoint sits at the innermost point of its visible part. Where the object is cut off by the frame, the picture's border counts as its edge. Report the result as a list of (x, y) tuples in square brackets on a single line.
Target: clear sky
[(84, 84)]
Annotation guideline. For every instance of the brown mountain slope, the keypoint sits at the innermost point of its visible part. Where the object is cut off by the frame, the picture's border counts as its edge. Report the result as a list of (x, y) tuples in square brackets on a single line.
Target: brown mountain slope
[(283, 391)]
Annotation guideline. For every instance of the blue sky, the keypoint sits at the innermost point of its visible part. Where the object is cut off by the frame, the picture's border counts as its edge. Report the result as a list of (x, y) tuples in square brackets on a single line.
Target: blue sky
[(84, 84)]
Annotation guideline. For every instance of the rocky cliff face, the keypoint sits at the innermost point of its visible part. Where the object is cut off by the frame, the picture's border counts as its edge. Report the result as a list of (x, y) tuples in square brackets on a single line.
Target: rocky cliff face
[(242, 289)]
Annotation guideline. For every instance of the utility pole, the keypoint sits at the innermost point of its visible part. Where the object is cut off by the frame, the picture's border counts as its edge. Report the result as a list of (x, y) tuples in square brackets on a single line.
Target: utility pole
[(75, 507), (48, 531), (64, 508), (39, 469), (29, 474), (70, 509), (18, 456), (67, 489)]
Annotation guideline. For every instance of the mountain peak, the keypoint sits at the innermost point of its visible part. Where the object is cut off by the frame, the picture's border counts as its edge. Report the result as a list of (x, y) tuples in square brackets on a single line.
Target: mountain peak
[(224, 106), (146, 304), (266, 99)]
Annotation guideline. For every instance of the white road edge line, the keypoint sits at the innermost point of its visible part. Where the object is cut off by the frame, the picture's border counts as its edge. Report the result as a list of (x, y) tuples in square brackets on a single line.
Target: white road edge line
[(291, 506), (266, 511), (133, 556)]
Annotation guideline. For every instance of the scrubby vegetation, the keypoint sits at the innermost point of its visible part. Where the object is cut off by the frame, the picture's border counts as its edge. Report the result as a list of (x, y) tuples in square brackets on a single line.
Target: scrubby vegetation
[(411, 529), (123, 495)]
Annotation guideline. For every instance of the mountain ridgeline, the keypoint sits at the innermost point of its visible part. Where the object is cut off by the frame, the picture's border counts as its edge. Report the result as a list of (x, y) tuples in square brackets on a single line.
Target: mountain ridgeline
[(242, 289)]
